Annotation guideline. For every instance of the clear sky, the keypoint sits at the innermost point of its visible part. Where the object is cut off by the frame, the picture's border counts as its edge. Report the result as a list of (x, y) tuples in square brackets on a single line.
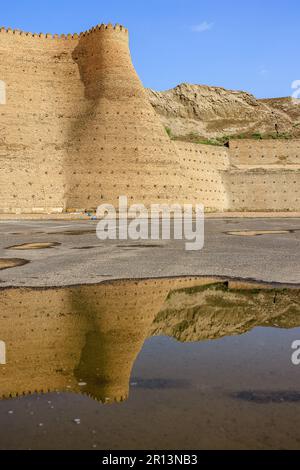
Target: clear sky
[(248, 45)]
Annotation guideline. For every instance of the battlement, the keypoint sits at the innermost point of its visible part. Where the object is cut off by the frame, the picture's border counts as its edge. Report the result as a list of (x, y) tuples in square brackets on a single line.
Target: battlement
[(43, 391), (71, 36)]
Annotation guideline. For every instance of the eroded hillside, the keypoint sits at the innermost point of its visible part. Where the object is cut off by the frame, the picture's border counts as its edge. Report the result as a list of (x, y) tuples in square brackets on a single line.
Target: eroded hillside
[(191, 111)]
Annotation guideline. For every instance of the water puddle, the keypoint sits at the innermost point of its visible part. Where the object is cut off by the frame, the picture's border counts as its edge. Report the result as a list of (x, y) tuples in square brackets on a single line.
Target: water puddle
[(168, 363), (257, 233), (269, 397), (72, 232), (34, 246), (86, 247), (6, 263), (63, 232)]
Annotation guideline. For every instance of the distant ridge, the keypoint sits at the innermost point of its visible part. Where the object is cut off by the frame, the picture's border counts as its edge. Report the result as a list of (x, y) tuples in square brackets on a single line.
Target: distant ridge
[(211, 112)]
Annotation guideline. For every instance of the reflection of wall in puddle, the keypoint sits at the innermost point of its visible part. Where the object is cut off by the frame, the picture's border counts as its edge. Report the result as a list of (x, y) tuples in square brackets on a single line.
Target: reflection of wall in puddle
[(86, 339), (57, 339), (226, 309)]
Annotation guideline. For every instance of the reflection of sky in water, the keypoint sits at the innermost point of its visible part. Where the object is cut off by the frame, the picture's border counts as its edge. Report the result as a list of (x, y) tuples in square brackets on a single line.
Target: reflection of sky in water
[(260, 359)]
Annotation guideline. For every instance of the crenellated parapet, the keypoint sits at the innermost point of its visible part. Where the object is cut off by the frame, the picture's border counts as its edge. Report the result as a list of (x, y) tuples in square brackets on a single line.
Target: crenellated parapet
[(71, 36), (70, 390)]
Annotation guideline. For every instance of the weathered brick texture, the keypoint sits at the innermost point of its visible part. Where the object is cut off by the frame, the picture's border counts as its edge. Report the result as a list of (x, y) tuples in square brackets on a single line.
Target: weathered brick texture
[(77, 130)]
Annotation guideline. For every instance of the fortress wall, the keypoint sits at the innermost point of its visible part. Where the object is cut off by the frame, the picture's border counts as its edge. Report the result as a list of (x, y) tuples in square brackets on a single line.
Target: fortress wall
[(41, 81), (264, 175), (204, 166), (252, 152), (77, 130), (263, 190), (119, 146)]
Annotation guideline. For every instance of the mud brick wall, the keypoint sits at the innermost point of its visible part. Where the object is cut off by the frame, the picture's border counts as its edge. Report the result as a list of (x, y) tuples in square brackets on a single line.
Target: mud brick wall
[(265, 152), (264, 175), (77, 130), (204, 166)]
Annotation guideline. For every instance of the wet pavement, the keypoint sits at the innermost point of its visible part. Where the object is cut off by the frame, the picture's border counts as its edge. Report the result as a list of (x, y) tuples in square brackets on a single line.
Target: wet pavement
[(80, 257)]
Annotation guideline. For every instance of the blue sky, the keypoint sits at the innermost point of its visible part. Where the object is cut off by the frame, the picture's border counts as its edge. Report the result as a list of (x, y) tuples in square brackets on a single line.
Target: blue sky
[(248, 45)]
